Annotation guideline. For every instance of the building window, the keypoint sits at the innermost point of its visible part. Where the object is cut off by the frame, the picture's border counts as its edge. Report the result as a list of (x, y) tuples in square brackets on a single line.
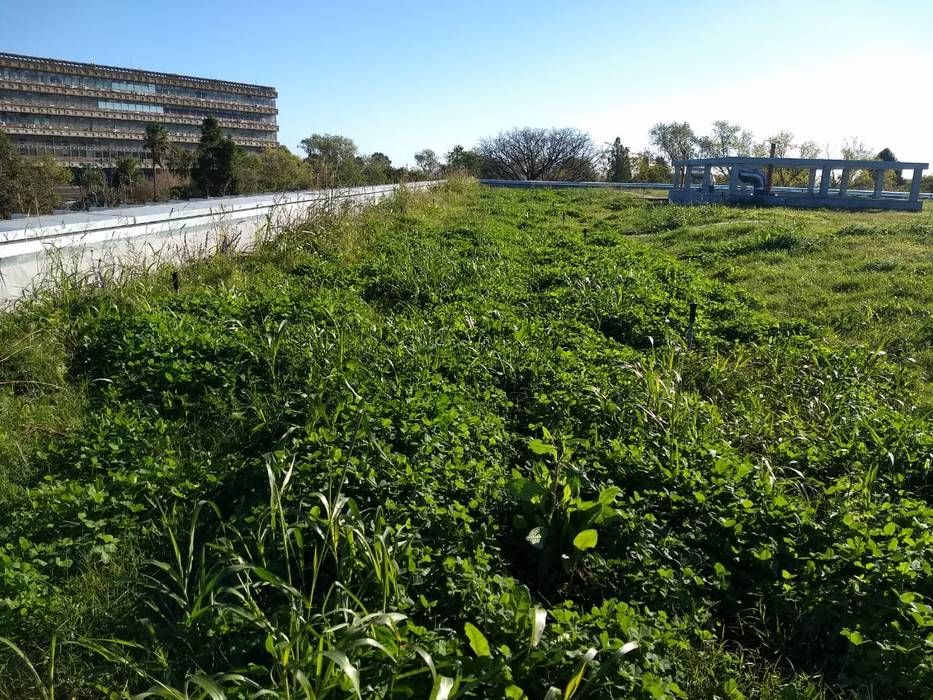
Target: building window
[(130, 107)]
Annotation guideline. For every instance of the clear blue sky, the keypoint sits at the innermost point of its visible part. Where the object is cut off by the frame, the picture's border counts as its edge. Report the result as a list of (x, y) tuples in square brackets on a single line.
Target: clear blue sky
[(401, 76)]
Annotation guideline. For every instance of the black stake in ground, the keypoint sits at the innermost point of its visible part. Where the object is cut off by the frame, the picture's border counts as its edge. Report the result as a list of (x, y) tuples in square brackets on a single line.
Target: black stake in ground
[(693, 318), (175, 280)]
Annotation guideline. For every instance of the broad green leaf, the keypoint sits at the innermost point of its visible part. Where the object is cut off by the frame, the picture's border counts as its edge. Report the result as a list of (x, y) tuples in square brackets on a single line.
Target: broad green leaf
[(853, 636), (542, 448), (478, 642), (609, 494), (585, 539), (525, 489)]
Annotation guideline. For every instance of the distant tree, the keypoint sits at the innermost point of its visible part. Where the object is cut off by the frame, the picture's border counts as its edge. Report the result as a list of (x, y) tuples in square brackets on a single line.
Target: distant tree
[(44, 175), (28, 185), (180, 161), (463, 160), (676, 140), (724, 140), (329, 148), (810, 149), (853, 148), (896, 175), (660, 170), (126, 175), (539, 154), (273, 170), (95, 190), (783, 145), (10, 172), (333, 158), (381, 160), (642, 164), (649, 168), (127, 171), (887, 154), (744, 143), (212, 172), (619, 162), (157, 144), (428, 162), (377, 169)]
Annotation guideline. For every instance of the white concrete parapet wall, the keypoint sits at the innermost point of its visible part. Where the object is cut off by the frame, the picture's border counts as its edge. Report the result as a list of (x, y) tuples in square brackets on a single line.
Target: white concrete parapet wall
[(138, 236)]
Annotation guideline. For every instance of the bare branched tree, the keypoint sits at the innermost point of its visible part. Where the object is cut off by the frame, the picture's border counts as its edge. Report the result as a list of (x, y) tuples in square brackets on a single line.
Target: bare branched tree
[(540, 154)]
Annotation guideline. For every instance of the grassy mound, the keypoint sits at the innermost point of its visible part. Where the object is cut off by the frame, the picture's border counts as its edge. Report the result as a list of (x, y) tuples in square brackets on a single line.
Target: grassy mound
[(458, 447)]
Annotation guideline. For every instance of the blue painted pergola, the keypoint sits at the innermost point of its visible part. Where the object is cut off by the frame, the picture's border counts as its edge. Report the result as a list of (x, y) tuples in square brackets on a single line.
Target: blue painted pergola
[(750, 182)]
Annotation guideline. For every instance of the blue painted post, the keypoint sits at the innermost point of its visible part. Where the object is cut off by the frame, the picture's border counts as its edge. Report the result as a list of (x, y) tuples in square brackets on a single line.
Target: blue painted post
[(879, 183), (811, 181), (915, 185), (844, 184), (733, 179), (707, 178), (825, 176)]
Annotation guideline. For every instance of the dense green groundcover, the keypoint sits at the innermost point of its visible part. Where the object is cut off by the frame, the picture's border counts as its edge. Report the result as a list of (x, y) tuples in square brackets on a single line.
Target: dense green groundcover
[(457, 447)]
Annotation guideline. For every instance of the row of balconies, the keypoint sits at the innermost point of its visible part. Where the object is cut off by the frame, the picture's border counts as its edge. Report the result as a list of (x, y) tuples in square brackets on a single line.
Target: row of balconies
[(146, 117), (125, 135), (89, 69), (100, 159), (30, 86)]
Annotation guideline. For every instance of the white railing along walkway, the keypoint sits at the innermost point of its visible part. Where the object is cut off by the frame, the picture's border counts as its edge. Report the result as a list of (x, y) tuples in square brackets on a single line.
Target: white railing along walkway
[(85, 242)]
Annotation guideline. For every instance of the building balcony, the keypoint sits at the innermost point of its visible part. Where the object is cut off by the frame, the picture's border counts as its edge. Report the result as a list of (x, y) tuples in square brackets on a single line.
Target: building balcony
[(140, 117), (195, 102)]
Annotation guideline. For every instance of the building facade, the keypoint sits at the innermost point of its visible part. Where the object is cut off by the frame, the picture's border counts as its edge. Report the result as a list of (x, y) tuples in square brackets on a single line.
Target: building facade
[(84, 114)]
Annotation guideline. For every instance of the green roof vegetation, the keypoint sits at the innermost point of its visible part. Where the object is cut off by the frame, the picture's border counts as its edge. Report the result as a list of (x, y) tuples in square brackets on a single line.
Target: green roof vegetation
[(458, 446)]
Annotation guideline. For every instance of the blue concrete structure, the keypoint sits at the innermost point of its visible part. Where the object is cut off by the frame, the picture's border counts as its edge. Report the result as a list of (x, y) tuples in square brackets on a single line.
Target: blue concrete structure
[(749, 182)]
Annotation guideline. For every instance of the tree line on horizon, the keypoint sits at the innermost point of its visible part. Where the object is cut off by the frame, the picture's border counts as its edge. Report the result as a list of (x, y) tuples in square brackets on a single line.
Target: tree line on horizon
[(217, 166)]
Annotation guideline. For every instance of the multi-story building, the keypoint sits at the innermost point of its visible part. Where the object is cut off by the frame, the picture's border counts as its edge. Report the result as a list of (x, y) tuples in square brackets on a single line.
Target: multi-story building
[(82, 114)]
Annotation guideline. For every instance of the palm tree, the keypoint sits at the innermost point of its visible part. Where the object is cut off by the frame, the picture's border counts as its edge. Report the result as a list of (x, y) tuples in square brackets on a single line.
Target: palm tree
[(157, 144)]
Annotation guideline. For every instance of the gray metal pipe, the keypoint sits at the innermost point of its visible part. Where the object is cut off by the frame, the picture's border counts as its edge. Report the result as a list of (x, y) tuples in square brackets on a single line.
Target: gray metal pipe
[(756, 178)]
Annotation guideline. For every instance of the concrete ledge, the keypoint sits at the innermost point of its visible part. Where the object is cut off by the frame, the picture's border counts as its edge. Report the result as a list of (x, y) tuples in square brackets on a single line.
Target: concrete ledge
[(133, 237)]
